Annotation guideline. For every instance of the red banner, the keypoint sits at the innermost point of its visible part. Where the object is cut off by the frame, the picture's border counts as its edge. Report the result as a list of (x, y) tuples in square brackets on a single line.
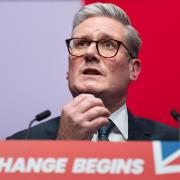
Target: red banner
[(79, 160)]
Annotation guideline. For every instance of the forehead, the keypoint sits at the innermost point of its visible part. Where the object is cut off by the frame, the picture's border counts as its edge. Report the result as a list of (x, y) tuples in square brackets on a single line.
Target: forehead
[(99, 27)]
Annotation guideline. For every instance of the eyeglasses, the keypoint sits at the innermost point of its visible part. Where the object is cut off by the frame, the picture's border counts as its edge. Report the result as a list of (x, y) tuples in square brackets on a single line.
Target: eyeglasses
[(105, 47)]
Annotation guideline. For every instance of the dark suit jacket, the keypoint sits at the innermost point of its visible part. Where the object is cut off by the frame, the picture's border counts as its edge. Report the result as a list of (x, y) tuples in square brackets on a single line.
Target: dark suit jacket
[(139, 129)]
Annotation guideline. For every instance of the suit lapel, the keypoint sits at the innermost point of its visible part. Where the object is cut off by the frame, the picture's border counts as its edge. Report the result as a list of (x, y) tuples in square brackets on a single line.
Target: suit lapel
[(136, 129)]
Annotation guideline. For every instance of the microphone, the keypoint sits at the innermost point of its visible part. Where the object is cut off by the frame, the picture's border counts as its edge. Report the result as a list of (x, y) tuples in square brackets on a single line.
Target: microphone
[(39, 117), (176, 116)]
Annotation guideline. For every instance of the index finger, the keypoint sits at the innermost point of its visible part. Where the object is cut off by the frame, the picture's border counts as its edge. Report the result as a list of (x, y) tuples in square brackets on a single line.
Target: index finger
[(80, 98)]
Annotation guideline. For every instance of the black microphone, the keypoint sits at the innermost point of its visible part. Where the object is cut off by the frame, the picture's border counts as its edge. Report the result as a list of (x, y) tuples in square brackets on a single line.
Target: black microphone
[(176, 116), (39, 117)]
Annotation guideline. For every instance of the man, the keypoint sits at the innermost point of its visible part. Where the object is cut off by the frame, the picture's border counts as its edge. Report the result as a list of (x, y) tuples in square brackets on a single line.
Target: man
[(103, 61)]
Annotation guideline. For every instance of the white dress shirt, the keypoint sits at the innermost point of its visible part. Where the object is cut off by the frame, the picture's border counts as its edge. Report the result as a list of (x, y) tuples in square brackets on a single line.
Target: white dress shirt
[(120, 131)]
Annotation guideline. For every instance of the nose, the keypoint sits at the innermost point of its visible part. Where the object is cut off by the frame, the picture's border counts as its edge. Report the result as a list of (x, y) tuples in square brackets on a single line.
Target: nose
[(92, 53)]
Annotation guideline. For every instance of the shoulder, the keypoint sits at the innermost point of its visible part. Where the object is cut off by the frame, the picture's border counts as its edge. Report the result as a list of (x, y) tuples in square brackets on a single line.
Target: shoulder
[(157, 130), (45, 130)]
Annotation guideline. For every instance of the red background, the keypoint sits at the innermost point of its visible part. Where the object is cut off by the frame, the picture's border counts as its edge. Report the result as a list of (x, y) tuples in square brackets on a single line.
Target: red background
[(157, 90)]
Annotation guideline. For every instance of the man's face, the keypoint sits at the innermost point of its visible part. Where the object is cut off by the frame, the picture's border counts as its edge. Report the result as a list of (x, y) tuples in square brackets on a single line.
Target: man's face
[(94, 74)]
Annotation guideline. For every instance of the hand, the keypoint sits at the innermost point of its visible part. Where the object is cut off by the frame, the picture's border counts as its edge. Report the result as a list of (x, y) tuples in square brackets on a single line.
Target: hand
[(82, 117)]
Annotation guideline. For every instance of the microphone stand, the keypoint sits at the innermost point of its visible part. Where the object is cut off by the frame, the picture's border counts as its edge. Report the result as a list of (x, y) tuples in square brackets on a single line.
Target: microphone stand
[(179, 128), (176, 116), (39, 117), (29, 129)]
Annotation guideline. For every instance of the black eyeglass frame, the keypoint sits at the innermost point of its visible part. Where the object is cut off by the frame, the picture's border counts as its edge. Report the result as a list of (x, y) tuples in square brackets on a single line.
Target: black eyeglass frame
[(97, 48)]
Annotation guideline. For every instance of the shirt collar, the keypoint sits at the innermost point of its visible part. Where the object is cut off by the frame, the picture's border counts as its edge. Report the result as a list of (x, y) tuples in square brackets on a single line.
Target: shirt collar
[(120, 119)]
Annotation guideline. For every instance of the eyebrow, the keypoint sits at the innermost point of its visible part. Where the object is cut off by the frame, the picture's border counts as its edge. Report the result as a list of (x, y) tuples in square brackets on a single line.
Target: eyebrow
[(102, 36)]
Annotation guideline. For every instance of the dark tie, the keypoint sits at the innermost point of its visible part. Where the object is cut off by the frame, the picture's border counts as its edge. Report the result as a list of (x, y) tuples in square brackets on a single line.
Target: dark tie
[(104, 131)]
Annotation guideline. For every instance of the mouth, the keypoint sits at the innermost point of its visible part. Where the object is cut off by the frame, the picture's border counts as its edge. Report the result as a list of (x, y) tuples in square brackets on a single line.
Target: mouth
[(91, 71)]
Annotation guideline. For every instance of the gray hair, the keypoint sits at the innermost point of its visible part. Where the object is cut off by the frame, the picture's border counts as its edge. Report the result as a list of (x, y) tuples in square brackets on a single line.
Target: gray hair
[(133, 40)]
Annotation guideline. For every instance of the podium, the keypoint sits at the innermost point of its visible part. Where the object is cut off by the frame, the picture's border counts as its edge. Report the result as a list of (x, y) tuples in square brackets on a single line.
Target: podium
[(84, 160)]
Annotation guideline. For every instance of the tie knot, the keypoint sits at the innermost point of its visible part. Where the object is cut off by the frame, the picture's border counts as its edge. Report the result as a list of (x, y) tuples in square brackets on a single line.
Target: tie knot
[(104, 131)]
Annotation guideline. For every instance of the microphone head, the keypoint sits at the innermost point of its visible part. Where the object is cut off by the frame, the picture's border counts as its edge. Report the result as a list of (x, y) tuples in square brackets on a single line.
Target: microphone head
[(175, 114), (43, 115)]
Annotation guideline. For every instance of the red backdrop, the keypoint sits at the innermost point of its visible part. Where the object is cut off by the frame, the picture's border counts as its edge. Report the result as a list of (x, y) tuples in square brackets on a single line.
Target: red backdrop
[(157, 90)]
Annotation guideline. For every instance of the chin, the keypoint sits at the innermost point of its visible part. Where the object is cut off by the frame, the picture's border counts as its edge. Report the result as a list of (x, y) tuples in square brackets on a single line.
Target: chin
[(86, 90), (87, 86), (89, 90)]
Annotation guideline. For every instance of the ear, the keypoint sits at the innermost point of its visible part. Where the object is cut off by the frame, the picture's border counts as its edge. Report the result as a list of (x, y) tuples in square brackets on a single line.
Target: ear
[(67, 75), (135, 69)]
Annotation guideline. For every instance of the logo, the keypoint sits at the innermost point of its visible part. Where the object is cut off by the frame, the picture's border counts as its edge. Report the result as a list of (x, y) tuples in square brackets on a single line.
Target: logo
[(166, 157)]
